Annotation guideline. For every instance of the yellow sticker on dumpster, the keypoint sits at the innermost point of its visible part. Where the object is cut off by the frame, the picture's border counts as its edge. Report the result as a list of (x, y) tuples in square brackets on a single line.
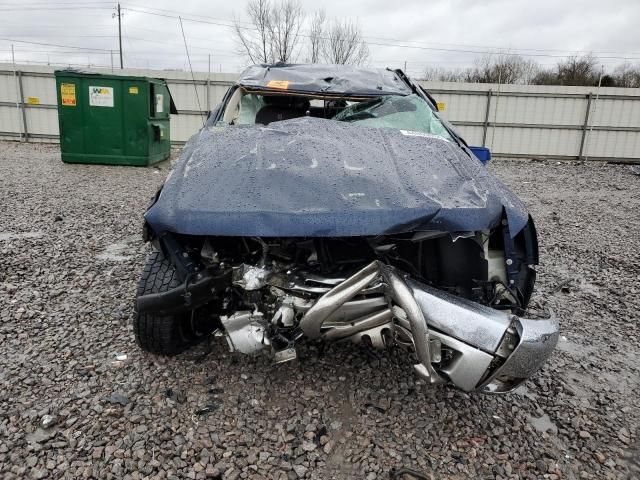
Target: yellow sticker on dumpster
[(68, 94), (33, 100), (281, 84), (440, 106), (133, 90)]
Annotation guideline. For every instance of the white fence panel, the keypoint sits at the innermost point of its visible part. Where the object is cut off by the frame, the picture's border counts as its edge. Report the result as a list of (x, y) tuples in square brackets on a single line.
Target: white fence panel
[(9, 120), (617, 144), (539, 110), (42, 121), (617, 112), (184, 126), (537, 142), (470, 108)]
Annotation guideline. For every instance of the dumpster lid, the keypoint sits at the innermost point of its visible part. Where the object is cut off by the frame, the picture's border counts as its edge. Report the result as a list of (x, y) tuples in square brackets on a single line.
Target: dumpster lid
[(76, 72)]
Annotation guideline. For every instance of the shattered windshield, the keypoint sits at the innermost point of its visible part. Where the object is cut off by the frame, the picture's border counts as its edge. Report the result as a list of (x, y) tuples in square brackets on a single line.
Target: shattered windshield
[(409, 112), (404, 113)]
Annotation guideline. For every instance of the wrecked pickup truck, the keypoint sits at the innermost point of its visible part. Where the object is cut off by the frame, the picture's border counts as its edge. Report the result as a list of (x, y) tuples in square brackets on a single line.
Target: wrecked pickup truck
[(333, 203)]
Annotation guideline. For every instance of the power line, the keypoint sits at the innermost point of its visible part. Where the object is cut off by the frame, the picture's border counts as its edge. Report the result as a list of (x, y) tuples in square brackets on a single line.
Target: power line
[(62, 36), (18, 4), (49, 8), (191, 68), (55, 45), (42, 62), (56, 52)]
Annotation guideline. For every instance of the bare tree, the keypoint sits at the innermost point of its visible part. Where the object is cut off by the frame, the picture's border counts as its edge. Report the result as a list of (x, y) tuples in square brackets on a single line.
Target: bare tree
[(627, 75), (316, 39), (502, 68), (344, 44), (578, 71), (284, 27), (274, 31), (545, 77), (444, 74), (255, 41), (514, 69)]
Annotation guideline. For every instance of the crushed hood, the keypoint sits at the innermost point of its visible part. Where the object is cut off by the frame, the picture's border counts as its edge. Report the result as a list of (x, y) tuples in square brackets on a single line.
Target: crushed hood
[(315, 177)]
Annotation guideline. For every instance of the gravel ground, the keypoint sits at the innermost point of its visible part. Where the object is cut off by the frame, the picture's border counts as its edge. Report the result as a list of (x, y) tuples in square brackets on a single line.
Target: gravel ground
[(78, 399)]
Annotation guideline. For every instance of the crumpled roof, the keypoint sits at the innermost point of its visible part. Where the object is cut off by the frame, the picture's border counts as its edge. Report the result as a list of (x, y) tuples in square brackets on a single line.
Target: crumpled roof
[(315, 177), (333, 79)]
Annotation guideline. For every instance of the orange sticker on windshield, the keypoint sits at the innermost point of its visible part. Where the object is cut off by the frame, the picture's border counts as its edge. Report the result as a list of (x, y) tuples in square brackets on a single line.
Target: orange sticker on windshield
[(281, 84)]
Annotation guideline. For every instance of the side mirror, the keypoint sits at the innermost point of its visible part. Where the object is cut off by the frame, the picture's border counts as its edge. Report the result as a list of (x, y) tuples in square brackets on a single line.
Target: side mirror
[(482, 153)]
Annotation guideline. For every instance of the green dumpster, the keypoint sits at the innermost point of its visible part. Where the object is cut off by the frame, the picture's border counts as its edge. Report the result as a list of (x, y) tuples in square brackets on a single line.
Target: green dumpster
[(112, 119)]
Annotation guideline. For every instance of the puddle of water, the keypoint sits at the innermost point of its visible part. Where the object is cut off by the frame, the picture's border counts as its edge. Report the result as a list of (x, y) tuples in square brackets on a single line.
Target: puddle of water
[(120, 251), (18, 236), (543, 424)]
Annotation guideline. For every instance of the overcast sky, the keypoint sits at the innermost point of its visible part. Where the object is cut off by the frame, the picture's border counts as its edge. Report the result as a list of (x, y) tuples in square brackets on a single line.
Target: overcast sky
[(436, 33)]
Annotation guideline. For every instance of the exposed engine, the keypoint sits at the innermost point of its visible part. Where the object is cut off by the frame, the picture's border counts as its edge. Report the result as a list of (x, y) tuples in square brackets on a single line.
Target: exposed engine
[(455, 301)]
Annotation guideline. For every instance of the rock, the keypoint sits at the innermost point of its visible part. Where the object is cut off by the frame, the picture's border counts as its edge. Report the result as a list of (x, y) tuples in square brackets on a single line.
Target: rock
[(97, 453), (48, 421), (211, 472), (117, 398), (309, 446), (508, 469), (584, 434), (175, 395), (624, 436), (37, 473), (328, 447), (300, 470), (39, 436)]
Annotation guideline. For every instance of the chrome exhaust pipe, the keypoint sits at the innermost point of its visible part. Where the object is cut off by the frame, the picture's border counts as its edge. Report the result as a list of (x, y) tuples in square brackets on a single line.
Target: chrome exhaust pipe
[(403, 296), (330, 302), (364, 323), (400, 293)]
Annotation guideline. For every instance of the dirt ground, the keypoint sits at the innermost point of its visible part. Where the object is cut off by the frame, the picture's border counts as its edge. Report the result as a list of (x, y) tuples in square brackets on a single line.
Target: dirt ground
[(78, 399)]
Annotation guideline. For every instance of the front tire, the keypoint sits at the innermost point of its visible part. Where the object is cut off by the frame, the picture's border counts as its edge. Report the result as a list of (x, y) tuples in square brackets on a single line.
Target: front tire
[(171, 334)]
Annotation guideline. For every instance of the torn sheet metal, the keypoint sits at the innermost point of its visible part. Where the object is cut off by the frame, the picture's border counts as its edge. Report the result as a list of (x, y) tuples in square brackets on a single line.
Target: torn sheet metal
[(316, 78), (316, 177)]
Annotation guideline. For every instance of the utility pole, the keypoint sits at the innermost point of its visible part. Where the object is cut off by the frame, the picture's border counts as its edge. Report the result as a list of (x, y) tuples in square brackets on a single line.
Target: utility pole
[(15, 76), (120, 35), (208, 84)]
